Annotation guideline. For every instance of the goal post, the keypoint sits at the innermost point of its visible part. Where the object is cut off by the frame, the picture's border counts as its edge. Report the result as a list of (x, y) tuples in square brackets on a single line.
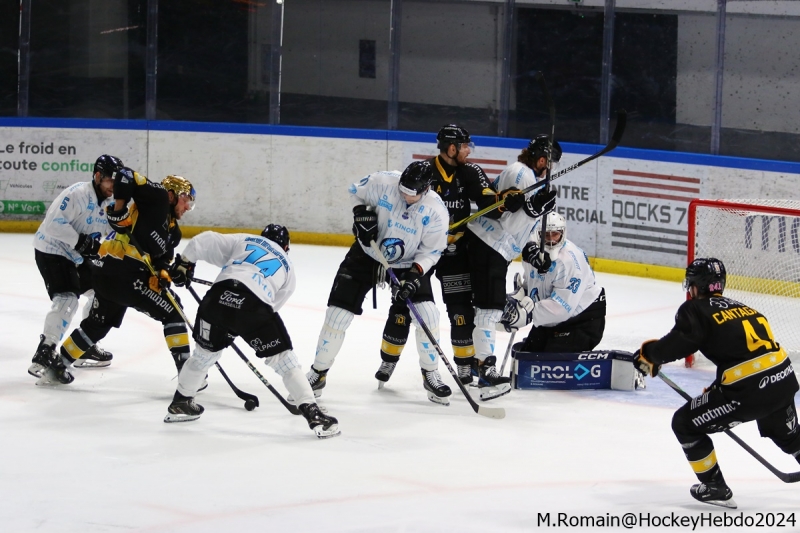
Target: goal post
[(759, 243)]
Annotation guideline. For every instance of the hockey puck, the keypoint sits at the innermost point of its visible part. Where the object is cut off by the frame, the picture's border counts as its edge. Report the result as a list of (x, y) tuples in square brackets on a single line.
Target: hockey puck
[(250, 405)]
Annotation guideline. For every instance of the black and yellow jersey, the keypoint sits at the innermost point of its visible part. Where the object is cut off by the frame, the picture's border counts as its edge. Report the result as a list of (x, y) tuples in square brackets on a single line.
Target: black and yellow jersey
[(459, 185)]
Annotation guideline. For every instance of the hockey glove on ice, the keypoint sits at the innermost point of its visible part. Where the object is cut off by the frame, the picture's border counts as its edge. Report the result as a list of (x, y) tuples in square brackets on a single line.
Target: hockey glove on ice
[(365, 224), (120, 221), (642, 364), (540, 203), (410, 282), (514, 200), (530, 254), (88, 245), (157, 284), (181, 272)]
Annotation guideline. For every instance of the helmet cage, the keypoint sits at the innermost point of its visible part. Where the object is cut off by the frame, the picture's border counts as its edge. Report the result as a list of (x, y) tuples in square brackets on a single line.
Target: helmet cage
[(555, 222)]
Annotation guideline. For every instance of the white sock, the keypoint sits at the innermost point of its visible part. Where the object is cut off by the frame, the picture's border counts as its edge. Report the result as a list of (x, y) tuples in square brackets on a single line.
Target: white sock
[(62, 310), (483, 336), (195, 369), (428, 356), (331, 338)]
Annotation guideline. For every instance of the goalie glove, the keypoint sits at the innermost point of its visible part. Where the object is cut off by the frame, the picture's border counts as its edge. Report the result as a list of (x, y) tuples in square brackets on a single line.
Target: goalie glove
[(181, 272), (644, 365), (518, 311)]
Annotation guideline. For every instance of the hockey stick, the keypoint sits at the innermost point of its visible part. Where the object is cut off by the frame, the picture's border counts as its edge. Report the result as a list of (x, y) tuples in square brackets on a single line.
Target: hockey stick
[(292, 409), (490, 412), (508, 351), (250, 400), (202, 281), (790, 477), (547, 177), (619, 130)]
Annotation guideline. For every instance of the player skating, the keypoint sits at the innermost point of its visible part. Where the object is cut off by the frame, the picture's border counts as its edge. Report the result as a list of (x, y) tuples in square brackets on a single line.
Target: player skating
[(409, 224), (494, 243), (67, 238), (121, 278), (559, 295), (755, 379), (256, 280)]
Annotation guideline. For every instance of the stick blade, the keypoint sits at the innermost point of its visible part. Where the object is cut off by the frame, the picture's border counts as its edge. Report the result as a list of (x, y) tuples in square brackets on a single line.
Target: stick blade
[(497, 413), (792, 477)]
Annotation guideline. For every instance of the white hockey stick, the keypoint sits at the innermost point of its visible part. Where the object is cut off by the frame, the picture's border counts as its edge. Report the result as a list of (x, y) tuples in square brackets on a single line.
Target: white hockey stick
[(508, 351), (490, 412)]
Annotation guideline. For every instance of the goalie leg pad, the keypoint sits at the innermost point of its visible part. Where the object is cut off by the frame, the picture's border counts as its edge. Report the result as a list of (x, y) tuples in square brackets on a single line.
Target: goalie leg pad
[(331, 337), (194, 371), (428, 356)]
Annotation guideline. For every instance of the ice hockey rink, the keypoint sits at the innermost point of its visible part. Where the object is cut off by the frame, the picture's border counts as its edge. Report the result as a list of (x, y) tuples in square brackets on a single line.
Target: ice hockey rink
[(95, 456)]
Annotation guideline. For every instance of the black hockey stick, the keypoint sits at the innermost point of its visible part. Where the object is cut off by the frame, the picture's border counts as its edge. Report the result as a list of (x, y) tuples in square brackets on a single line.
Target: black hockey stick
[(547, 178), (619, 130), (250, 400), (292, 409), (202, 281), (490, 412), (790, 477)]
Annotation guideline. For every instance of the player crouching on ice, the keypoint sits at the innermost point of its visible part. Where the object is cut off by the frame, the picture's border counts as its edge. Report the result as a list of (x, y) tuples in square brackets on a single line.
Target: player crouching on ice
[(409, 223), (257, 278), (755, 379)]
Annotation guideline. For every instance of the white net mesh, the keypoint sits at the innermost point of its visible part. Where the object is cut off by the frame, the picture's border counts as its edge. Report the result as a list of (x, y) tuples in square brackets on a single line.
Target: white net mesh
[(758, 243)]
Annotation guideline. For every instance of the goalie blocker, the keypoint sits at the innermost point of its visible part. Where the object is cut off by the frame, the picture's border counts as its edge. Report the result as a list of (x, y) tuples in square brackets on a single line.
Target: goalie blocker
[(601, 369)]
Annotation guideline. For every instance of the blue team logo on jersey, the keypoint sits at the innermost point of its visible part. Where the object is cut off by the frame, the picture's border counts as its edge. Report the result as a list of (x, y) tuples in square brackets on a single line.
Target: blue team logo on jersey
[(89, 220), (393, 249), (426, 220), (405, 216)]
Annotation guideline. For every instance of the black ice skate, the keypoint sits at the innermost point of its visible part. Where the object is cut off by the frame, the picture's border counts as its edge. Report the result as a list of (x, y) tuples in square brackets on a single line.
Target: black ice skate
[(492, 384), (715, 493), (45, 353), (183, 409), (438, 392), (317, 379), (58, 372), (95, 357), (385, 372), (324, 426), (466, 372)]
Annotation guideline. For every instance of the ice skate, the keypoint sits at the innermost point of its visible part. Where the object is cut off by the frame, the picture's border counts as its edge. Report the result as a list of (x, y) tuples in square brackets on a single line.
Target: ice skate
[(324, 426), (492, 384), (438, 392), (467, 372), (95, 357), (317, 379), (58, 372), (183, 409), (385, 372), (640, 383), (714, 493), (45, 353)]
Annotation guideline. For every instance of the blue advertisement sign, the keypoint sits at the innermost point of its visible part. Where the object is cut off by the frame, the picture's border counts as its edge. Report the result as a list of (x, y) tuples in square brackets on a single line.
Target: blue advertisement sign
[(563, 375)]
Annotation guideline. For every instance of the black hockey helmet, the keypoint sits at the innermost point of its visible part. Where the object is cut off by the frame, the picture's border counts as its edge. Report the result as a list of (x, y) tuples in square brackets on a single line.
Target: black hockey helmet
[(451, 134), (106, 165), (707, 274), (416, 178), (538, 147), (277, 234)]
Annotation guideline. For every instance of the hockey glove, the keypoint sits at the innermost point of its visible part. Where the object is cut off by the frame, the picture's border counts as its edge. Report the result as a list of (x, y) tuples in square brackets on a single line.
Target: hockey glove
[(514, 200), (157, 284), (642, 364), (88, 245), (518, 311), (540, 203), (409, 284), (365, 224), (120, 221), (530, 254), (181, 272)]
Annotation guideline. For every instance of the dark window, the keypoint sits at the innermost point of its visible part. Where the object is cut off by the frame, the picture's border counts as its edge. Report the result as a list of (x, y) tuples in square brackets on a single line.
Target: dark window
[(366, 58)]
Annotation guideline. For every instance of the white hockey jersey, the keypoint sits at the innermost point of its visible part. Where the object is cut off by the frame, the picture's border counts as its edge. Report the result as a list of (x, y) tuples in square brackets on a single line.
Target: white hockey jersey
[(407, 234), (76, 210), (565, 290), (511, 231), (259, 263)]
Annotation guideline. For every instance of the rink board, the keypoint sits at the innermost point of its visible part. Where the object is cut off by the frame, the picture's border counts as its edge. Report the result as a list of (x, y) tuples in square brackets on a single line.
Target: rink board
[(604, 369)]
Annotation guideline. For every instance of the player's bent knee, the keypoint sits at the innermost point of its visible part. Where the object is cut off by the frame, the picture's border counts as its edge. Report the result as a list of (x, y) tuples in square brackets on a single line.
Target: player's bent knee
[(202, 359), (283, 362)]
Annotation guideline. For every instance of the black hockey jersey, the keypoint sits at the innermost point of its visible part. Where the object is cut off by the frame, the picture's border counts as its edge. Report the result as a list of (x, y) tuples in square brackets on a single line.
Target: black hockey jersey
[(459, 185), (736, 338)]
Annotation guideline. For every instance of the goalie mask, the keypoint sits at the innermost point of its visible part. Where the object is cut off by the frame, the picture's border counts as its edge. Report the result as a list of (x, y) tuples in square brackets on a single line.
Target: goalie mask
[(180, 186), (707, 274), (553, 241)]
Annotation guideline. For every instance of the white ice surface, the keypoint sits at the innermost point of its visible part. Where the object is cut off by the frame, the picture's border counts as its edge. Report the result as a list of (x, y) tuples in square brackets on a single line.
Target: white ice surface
[(95, 455)]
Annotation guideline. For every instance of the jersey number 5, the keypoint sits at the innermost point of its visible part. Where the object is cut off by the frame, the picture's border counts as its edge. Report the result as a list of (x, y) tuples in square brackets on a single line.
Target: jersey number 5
[(754, 342), (268, 266)]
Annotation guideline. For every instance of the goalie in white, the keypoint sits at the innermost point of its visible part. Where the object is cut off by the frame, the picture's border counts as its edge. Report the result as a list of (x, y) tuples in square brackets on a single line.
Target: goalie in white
[(559, 295)]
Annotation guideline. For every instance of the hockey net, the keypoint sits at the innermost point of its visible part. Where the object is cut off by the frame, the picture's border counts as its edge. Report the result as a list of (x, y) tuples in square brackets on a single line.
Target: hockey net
[(758, 241)]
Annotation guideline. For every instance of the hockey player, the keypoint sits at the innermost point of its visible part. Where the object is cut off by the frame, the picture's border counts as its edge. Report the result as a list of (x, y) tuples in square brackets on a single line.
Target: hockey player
[(409, 224), (68, 236), (459, 182), (755, 379), (120, 276), (559, 295), (495, 243), (257, 278)]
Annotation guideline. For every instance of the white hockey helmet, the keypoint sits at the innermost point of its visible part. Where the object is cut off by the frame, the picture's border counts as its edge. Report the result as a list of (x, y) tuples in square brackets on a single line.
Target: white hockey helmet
[(555, 223)]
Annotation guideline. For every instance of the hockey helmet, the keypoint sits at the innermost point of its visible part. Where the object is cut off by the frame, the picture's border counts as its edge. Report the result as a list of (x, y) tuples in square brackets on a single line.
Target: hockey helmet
[(106, 165), (539, 147), (555, 222), (452, 134), (180, 186), (277, 234), (707, 274), (416, 178)]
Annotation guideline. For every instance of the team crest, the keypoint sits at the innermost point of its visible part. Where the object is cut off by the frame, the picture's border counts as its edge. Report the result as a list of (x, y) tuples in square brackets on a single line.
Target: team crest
[(393, 249)]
